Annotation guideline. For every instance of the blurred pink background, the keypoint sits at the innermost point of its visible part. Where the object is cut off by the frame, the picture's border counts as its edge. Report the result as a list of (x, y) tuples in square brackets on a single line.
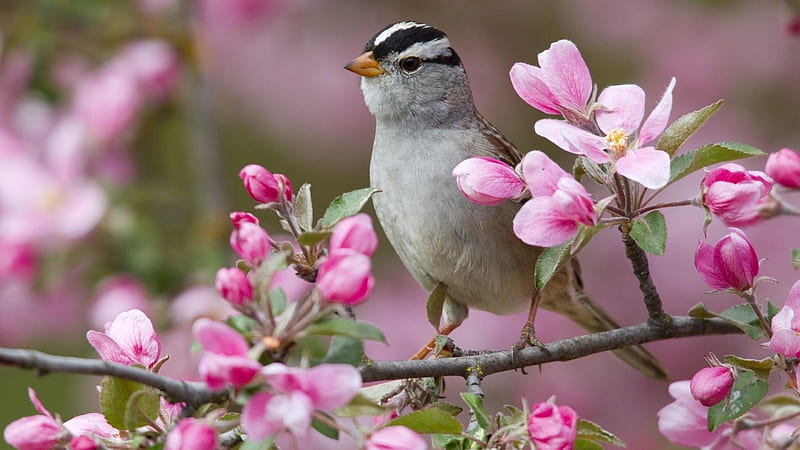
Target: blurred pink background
[(277, 96)]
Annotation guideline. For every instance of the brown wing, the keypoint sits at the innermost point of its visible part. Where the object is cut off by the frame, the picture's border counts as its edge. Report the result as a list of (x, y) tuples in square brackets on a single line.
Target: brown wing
[(504, 150)]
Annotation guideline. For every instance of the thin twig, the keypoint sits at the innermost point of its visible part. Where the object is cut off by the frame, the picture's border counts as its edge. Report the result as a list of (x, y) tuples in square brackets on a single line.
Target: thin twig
[(641, 211), (641, 268)]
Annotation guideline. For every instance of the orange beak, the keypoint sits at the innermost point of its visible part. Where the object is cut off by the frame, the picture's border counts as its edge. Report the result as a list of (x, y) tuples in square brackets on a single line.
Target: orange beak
[(365, 65)]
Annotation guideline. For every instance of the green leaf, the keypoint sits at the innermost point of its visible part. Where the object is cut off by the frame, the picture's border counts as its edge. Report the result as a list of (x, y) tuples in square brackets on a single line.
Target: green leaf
[(435, 304), (303, 208), (277, 300), (475, 403), (345, 350), (772, 311), (594, 432), (114, 397), (760, 367), (325, 429), (585, 444), (141, 408), (346, 205), (681, 129), (427, 421), (745, 393), (707, 155), (795, 258), (449, 408), (309, 238), (650, 232), (699, 311), (584, 165), (515, 414), (549, 262), (339, 326), (780, 404), (266, 444), (449, 441), (360, 405), (745, 318)]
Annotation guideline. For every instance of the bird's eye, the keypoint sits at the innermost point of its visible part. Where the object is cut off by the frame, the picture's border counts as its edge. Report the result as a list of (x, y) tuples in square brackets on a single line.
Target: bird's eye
[(411, 63)]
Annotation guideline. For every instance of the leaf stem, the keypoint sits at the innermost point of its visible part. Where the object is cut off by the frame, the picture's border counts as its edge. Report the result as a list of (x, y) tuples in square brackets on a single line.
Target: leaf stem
[(751, 299), (641, 211)]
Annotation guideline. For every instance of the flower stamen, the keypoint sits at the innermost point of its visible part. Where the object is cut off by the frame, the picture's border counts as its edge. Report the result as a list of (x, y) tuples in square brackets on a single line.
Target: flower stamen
[(617, 141)]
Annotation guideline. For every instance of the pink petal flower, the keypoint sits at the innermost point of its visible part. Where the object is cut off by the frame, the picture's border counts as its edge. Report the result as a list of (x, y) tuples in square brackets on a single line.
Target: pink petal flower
[(82, 443), (736, 195), (128, 339), (656, 122), (566, 75), (711, 385), (107, 101), (225, 360), (623, 107), (191, 434), (33, 433), (487, 181), (345, 277), (647, 166), (573, 139), (541, 173), (329, 386), (356, 233), (37, 403), (784, 167), (552, 427), (395, 438), (254, 420), (684, 421), (731, 263), (260, 183), (234, 286), (786, 325), (219, 338), (542, 223), (266, 414), (92, 424), (529, 84), (251, 242), (152, 64)]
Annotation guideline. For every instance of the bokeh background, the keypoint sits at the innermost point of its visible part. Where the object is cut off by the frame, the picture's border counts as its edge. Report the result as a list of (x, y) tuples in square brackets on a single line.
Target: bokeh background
[(123, 125)]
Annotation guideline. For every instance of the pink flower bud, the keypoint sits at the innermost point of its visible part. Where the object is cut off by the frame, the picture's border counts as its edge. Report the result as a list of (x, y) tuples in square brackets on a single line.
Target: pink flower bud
[(731, 263), (191, 434), (234, 286), (225, 359), (82, 443), (33, 432), (395, 438), (356, 233), (784, 167), (287, 185), (251, 242), (345, 277), (487, 181), (735, 195), (553, 427), (240, 217), (260, 183), (711, 384)]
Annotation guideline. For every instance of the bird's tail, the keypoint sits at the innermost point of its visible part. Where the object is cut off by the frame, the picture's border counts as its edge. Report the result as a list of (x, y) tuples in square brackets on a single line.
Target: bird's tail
[(588, 314)]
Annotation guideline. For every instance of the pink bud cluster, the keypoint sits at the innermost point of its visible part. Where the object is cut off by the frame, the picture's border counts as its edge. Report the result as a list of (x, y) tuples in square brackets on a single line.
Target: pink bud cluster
[(730, 264), (559, 205), (345, 275)]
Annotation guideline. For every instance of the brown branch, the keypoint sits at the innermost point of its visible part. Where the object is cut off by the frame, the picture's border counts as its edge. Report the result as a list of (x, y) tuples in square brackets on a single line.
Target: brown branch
[(192, 393), (641, 268), (563, 350)]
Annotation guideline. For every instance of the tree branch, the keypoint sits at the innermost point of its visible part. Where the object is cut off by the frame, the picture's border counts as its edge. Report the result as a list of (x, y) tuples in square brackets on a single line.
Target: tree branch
[(641, 268), (563, 350), (193, 394)]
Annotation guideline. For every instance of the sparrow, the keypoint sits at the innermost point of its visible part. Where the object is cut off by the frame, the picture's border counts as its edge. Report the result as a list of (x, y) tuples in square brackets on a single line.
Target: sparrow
[(426, 122)]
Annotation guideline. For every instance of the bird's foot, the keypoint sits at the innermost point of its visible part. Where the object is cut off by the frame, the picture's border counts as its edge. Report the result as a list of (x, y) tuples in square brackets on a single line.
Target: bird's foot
[(527, 338)]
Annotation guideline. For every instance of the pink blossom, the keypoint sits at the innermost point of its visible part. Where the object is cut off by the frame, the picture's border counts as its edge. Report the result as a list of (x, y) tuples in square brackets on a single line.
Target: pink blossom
[(345, 276), (240, 217), (128, 339), (736, 195), (17, 260), (784, 167), (562, 84), (730, 264), (225, 359), (684, 421), (263, 185), (711, 384), (82, 443), (191, 434), (553, 427), (251, 242), (37, 432), (234, 15), (560, 204), (356, 233), (92, 424), (108, 102), (234, 286), (487, 181), (152, 64), (298, 393), (116, 294), (619, 117), (786, 326), (395, 438)]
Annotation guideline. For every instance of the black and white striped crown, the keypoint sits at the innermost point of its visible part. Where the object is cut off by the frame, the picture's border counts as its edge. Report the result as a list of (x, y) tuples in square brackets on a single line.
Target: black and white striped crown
[(401, 36)]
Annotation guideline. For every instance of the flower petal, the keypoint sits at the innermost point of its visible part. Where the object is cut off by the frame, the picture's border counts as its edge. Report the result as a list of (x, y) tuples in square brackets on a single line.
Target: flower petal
[(656, 122), (566, 75), (705, 264), (540, 222), (134, 333), (331, 386), (108, 349), (527, 82), (254, 420), (647, 166), (216, 337), (541, 173), (573, 139), (623, 107)]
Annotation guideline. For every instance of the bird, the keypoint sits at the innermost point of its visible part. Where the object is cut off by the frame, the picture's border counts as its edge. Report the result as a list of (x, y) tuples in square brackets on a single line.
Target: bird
[(415, 85)]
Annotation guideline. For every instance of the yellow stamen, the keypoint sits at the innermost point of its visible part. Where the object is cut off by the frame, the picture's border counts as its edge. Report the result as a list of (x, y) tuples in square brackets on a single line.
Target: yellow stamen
[(617, 143)]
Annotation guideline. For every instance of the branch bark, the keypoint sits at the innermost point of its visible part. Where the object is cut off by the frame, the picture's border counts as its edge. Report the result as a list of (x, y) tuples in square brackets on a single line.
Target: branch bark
[(641, 268)]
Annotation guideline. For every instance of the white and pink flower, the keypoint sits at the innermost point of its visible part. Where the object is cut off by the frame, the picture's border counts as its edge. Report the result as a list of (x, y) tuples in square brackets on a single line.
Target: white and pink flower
[(128, 339)]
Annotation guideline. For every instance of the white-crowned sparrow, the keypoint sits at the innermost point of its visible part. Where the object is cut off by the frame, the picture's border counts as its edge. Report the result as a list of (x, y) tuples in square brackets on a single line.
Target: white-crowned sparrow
[(426, 123)]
